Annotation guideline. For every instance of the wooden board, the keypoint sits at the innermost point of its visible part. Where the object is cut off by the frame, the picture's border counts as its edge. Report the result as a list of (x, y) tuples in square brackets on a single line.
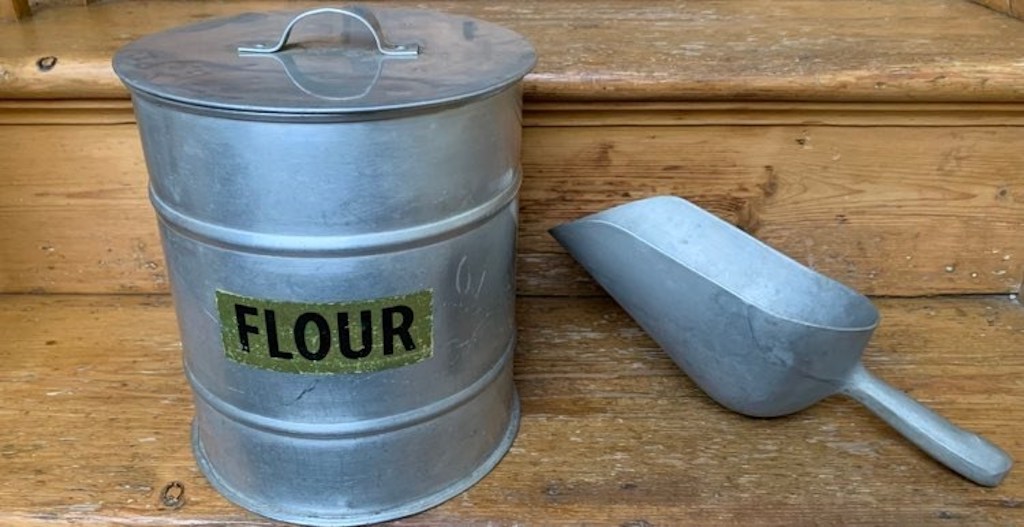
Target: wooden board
[(14, 9), (867, 50), (119, 111), (888, 210), (96, 415), (1007, 7)]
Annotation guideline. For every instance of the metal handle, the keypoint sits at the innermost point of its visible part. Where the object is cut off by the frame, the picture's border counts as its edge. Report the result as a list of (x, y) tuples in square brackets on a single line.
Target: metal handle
[(322, 90), (965, 452), (360, 13)]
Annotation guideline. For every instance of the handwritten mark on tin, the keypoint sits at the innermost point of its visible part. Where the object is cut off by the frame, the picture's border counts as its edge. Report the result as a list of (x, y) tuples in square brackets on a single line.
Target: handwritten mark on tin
[(464, 280)]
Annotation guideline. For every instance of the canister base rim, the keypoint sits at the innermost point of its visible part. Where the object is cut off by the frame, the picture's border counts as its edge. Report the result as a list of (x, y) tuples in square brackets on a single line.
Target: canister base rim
[(345, 520)]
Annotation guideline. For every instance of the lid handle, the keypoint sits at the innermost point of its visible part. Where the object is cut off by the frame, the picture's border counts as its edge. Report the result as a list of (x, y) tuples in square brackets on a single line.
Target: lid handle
[(320, 89), (361, 14)]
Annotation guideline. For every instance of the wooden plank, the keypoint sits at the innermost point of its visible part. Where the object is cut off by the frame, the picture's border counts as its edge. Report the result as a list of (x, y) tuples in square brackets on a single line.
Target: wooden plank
[(118, 111), (725, 50), (1007, 7), (96, 415), (14, 9), (771, 114), (888, 210), (54, 175)]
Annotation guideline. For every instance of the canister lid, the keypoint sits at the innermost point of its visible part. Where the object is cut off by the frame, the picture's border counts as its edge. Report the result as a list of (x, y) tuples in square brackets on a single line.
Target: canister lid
[(326, 61)]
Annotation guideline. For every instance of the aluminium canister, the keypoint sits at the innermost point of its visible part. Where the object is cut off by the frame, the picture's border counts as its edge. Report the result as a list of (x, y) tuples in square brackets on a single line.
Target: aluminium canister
[(336, 192)]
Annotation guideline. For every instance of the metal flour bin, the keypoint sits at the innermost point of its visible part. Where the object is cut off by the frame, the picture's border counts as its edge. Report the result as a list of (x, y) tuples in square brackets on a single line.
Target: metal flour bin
[(337, 200)]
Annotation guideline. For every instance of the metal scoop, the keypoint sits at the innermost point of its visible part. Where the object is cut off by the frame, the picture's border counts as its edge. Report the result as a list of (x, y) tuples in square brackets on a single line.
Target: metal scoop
[(760, 333)]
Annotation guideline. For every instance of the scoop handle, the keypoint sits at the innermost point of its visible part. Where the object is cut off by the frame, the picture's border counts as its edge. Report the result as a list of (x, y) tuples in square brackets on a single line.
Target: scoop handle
[(967, 453)]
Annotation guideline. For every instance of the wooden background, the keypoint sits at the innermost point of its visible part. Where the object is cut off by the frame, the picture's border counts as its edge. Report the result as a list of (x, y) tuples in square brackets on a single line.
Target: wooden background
[(925, 209), (1004, 6), (624, 50), (879, 141), (96, 422), (894, 198)]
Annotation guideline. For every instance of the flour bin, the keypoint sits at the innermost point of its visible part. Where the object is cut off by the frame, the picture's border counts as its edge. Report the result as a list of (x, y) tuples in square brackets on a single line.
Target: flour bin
[(337, 193)]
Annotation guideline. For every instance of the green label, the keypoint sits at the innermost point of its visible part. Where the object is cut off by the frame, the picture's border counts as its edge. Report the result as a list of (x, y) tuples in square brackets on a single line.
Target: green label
[(342, 337)]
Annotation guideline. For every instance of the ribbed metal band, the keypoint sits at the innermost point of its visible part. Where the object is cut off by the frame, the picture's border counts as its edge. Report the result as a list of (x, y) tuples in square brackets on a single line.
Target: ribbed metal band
[(351, 518), (365, 427), (348, 245)]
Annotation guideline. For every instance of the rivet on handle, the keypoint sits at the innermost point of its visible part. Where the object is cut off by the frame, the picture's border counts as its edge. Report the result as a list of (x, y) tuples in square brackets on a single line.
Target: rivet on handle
[(360, 13)]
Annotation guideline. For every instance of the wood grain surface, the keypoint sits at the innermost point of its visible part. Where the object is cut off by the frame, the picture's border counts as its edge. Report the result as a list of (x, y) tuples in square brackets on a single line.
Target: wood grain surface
[(1007, 7), (888, 210), (96, 415), (878, 141), (119, 111), (840, 50), (14, 9)]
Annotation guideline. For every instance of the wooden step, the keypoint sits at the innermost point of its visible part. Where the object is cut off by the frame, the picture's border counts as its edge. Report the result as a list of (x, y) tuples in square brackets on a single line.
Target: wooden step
[(624, 50), (1003, 6), (96, 420), (932, 208), (780, 117), (879, 142)]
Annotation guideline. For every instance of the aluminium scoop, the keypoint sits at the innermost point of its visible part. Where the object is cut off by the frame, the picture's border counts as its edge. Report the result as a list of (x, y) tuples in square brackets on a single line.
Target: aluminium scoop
[(762, 334)]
